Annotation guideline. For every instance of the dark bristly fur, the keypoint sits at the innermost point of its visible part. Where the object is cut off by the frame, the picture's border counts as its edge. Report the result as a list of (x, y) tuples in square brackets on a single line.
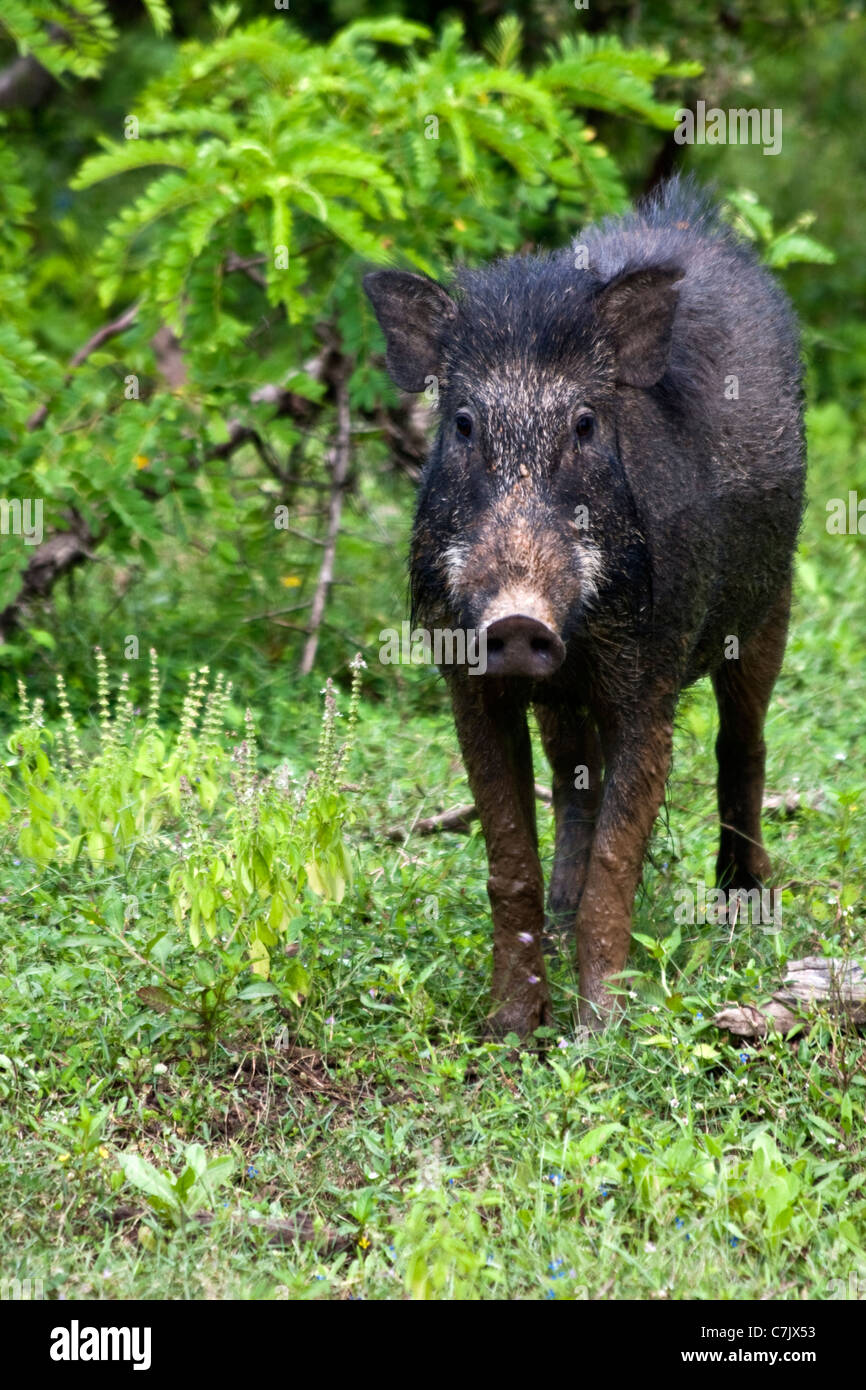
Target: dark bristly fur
[(644, 548)]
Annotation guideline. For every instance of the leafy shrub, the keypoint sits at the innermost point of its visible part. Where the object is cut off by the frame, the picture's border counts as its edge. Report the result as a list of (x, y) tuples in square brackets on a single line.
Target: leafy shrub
[(177, 1197), (261, 173), (245, 847)]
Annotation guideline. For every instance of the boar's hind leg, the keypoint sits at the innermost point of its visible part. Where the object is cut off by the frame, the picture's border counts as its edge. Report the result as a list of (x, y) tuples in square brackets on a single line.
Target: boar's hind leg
[(637, 761), (494, 739), (571, 743), (743, 689)]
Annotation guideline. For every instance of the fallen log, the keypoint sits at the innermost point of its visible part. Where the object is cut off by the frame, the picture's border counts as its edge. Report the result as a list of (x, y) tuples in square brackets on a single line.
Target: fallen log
[(811, 984), (458, 819)]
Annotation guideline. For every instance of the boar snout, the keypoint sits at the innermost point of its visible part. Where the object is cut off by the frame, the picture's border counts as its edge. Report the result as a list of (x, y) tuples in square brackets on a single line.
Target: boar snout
[(518, 645)]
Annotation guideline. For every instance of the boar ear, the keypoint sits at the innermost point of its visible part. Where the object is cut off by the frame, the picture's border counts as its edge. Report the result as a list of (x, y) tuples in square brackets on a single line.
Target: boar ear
[(636, 314), (413, 313)]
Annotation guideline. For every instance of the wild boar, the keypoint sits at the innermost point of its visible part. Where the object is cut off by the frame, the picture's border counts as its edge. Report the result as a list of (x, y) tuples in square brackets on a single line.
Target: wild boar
[(612, 505)]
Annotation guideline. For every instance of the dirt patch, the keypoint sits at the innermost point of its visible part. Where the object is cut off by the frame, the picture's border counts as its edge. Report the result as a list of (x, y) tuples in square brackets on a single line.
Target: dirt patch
[(263, 1088)]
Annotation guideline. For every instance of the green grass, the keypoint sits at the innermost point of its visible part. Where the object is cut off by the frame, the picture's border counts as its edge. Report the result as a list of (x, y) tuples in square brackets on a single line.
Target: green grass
[(660, 1160)]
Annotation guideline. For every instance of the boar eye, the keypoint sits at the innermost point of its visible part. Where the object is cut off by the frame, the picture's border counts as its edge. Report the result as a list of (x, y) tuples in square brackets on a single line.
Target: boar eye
[(463, 424), (584, 426)]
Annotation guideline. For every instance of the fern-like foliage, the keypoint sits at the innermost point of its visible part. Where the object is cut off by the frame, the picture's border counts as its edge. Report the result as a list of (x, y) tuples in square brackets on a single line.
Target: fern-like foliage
[(70, 36), (264, 143)]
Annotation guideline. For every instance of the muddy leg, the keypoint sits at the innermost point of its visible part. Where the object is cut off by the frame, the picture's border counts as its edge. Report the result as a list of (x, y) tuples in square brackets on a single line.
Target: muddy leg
[(494, 739), (574, 753), (637, 761), (743, 688)]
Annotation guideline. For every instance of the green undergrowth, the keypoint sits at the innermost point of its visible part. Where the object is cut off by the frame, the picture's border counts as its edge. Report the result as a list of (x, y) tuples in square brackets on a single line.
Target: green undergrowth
[(172, 1100)]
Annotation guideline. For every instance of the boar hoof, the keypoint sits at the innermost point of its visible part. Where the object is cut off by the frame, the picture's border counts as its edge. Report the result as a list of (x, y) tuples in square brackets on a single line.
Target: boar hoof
[(597, 1010), (752, 873), (522, 1019)]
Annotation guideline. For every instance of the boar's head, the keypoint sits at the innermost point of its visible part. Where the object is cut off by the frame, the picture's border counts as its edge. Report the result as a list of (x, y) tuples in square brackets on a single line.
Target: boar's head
[(525, 513)]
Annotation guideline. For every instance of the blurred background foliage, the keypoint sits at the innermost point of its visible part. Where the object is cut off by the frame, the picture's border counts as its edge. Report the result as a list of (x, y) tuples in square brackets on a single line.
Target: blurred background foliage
[(191, 379)]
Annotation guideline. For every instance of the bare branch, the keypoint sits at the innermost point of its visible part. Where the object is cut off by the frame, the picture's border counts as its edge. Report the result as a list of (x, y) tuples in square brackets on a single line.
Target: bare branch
[(235, 262), (458, 819), (340, 458), (52, 559), (102, 335)]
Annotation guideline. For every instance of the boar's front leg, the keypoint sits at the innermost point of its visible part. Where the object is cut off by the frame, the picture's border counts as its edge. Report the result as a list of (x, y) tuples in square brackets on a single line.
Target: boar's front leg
[(743, 690), (571, 743), (637, 761), (494, 740)]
